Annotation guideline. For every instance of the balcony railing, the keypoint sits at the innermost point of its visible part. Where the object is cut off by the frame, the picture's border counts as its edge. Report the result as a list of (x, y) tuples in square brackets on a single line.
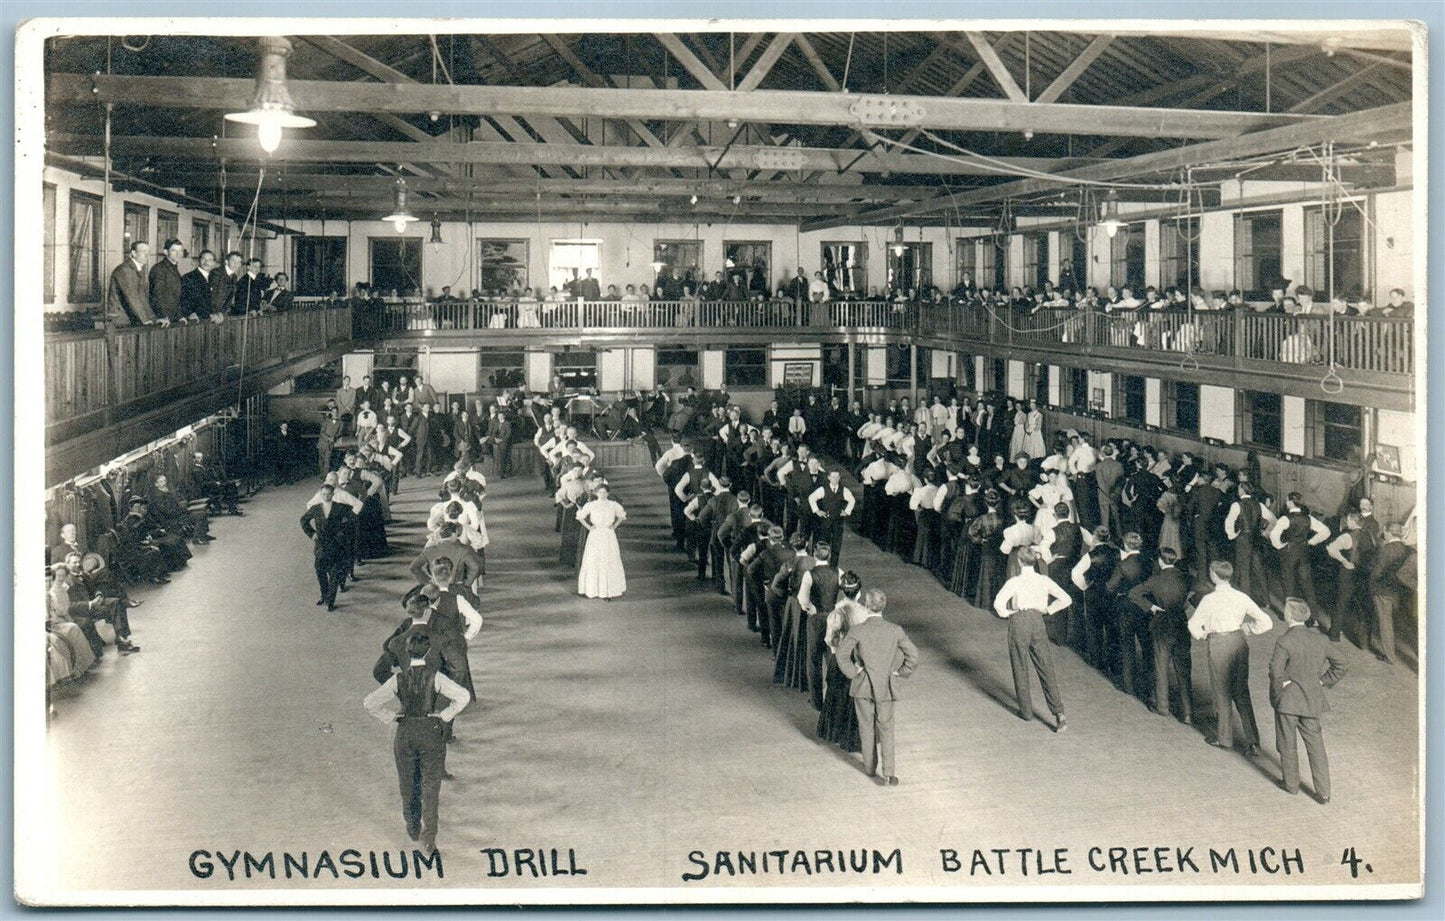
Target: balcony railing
[(92, 372), (1381, 345)]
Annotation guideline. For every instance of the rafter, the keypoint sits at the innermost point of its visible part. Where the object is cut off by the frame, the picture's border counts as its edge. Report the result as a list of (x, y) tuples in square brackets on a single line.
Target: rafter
[(996, 66), (1370, 123), (774, 106), (690, 61), (1329, 93), (243, 150), (810, 54), (764, 65), (1075, 70)]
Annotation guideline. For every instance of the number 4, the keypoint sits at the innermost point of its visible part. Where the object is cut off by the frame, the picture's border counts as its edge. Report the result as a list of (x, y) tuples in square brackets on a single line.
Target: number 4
[(1351, 860)]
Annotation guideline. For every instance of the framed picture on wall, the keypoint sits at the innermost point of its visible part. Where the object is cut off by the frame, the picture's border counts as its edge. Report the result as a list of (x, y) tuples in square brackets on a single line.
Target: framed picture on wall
[(1387, 459)]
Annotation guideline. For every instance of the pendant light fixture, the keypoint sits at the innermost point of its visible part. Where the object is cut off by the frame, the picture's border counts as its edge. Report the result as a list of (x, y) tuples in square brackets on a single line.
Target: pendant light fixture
[(436, 233), (1109, 217), (272, 108), (400, 217)]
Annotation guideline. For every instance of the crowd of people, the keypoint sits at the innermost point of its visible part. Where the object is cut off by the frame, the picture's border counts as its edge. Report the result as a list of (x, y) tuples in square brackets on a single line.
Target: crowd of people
[(146, 293), (1125, 553), (88, 598)]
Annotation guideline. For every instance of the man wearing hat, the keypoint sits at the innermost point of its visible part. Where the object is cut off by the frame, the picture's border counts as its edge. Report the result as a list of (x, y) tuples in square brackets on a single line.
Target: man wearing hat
[(85, 602), (139, 529), (1024, 601), (1302, 666), (408, 698), (102, 580)]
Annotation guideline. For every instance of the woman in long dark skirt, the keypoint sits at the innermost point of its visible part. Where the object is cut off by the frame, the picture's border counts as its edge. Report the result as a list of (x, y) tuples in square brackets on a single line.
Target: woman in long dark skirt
[(926, 520), (963, 569), (986, 532), (838, 721), (371, 526)]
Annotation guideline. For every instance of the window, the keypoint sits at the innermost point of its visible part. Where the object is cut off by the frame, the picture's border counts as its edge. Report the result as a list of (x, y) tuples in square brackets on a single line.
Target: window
[(1126, 258), (1131, 397), (502, 265), (1036, 260), (1179, 253), (1263, 419), (48, 207), (910, 267), (1258, 239), (965, 261), (835, 368), (200, 238), (677, 368), (998, 262), (1075, 269), (998, 375), (1076, 389), (84, 248), (136, 227), (501, 370), (988, 262), (577, 368), (1350, 277), (1041, 384), (683, 255), (168, 227), (845, 267), (1338, 431), (569, 261), (1182, 407), (899, 360), (753, 262), (745, 367), (396, 264), (320, 266)]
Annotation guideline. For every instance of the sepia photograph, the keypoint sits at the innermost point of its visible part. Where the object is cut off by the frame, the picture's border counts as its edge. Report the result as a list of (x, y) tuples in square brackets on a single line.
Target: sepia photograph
[(563, 461)]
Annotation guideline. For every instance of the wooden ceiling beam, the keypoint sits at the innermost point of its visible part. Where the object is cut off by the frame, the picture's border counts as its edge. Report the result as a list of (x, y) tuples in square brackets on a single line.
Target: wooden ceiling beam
[(789, 107), (244, 150), (1075, 70), (815, 61), (1329, 93), (1356, 126), (996, 66), (766, 60), (689, 61)]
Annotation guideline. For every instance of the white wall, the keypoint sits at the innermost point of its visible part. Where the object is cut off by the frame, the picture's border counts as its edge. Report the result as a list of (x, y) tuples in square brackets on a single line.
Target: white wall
[(1217, 413)]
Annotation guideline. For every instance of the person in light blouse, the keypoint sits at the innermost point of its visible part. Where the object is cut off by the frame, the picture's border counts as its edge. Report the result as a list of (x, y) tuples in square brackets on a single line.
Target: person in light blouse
[(1024, 601), (1223, 619)]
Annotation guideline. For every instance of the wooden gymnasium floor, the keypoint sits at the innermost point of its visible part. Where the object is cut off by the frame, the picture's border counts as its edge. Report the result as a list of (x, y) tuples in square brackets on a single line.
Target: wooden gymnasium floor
[(637, 731)]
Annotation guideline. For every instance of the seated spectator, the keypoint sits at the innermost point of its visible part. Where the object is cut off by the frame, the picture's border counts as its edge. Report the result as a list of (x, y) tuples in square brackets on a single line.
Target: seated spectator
[(1397, 306), (170, 511), (83, 602)]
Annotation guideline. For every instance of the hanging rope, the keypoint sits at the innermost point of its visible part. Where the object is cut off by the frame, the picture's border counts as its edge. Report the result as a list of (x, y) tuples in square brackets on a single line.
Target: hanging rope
[(1334, 211)]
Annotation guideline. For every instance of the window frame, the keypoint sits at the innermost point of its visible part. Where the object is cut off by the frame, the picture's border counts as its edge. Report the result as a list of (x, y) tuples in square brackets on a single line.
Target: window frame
[(77, 293), (402, 243), (1321, 426), (859, 272), (1125, 395), (1035, 260), (767, 247), (1125, 269), (558, 364), (526, 262), (965, 260), (749, 375), (50, 206), (1316, 256), (1252, 255), (922, 260), (1077, 381), (700, 275), (163, 218), (141, 233), (1247, 414), (1172, 402), (1179, 261)]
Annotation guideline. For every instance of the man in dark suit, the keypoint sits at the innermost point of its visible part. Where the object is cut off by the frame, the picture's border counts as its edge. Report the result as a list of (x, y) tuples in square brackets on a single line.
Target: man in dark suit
[(329, 528), (1200, 508), (502, 444), (196, 285), (1391, 577), (165, 283), (128, 300), (588, 288), (1162, 597), (874, 656), (223, 288), (1132, 623), (1303, 665)]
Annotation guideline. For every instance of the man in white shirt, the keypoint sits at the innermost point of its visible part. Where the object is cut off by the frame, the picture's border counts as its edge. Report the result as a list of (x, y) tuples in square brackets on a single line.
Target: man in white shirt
[(1222, 619), (409, 699), (675, 452), (1024, 601), (1293, 534)]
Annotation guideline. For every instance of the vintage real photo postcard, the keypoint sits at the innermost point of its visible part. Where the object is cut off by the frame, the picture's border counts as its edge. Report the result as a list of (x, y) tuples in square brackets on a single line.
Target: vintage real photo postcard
[(680, 461)]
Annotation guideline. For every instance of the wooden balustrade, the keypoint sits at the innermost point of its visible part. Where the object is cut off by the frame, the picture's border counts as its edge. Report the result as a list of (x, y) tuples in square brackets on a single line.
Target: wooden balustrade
[(89, 373), (1371, 344)]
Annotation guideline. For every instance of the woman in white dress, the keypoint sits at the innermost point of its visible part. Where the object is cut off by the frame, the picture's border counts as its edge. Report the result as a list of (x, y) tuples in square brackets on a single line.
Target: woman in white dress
[(1020, 417), (1034, 431), (601, 574)]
